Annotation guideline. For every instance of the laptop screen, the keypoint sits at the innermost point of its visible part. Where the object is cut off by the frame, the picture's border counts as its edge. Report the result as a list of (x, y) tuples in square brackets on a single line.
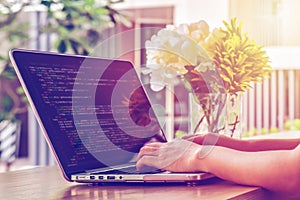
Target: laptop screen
[(95, 111)]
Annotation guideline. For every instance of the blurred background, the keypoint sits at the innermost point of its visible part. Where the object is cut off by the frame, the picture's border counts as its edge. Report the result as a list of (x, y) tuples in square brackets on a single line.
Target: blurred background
[(79, 26)]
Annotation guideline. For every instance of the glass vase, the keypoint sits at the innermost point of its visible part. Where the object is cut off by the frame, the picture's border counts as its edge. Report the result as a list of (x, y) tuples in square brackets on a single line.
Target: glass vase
[(215, 113), (207, 113), (234, 115)]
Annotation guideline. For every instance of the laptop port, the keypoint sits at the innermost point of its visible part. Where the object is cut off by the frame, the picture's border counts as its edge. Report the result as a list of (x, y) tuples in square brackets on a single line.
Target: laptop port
[(110, 177), (100, 177), (92, 177)]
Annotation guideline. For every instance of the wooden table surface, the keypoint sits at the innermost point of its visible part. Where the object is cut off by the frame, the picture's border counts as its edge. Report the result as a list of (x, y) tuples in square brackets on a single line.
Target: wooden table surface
[(47, 183)]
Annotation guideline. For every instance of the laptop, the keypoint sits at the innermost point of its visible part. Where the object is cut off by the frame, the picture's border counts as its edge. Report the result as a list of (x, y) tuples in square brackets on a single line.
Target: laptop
[(95, 116)]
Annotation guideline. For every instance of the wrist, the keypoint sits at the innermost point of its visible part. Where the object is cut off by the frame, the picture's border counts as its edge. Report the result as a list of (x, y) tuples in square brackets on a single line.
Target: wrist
[(199, 161), (205, 157)]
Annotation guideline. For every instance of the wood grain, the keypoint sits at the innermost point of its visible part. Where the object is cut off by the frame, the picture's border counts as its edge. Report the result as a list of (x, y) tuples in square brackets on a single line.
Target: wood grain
[(48, 183)]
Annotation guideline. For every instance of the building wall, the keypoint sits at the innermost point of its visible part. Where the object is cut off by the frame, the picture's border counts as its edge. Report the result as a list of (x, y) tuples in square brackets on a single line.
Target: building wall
[(213, 11)]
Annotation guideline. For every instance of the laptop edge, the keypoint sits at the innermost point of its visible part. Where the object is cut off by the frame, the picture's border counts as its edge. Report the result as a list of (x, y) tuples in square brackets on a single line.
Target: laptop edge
[(88, 176)]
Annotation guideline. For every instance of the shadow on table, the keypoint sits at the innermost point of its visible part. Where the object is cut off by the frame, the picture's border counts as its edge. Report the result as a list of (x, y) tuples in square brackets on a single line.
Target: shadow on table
[(135, 190), (200, 190)]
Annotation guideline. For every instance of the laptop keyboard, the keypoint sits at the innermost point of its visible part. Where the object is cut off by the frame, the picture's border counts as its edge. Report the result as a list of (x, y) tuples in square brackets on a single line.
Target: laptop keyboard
[(129, 170)]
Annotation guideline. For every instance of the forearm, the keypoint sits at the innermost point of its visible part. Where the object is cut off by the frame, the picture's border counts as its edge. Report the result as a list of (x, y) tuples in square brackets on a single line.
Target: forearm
[(272, 144), (273, 170), (253, 144)]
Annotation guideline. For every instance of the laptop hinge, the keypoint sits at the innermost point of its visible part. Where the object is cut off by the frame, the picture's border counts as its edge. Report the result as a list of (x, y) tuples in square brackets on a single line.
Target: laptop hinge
[(117, 167)]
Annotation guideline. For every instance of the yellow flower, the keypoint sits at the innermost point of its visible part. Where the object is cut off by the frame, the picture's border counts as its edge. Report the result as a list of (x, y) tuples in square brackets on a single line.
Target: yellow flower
[(226, 51), (239, 59)]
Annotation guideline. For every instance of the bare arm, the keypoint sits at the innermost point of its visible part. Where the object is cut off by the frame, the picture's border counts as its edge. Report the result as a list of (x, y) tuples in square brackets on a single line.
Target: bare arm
[(245, 145), (275, 170)]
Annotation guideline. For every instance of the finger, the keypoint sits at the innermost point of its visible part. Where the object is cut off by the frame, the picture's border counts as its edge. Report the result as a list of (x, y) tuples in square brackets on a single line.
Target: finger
[(211, 139), (188, 137), (154, 144), (202, 138), (147, 162), (195, 138), (198, 139), (148, 150)]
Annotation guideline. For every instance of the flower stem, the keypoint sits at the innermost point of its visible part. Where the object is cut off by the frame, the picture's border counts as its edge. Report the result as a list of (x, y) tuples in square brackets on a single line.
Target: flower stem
[(198, 124)]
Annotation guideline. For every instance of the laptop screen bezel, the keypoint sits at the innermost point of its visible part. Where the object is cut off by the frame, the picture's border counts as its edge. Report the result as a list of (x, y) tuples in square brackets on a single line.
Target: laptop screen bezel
[(20, 58)]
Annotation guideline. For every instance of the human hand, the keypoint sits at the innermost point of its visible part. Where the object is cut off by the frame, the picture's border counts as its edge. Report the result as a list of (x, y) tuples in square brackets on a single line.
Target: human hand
[(203, 139), (196, 138), (177, 156)]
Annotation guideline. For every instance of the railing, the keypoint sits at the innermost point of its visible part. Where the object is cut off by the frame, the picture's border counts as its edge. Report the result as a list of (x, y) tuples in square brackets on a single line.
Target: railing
[(274, 104), (38, 151), (267, 106)]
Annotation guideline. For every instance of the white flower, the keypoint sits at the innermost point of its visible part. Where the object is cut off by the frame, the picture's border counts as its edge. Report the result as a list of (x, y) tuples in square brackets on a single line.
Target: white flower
[(168, 52), (204, 66)]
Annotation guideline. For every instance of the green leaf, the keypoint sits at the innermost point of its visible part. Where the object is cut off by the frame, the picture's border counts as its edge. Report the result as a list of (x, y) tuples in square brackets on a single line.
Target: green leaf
[(74, 45), (62, 46), (20, 90), (46, 3)]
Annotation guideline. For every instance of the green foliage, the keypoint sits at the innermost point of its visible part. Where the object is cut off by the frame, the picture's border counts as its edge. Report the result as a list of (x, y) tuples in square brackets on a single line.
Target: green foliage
[(77, 25), (13, 35), (250, 133), (273, 130), (263, 131), (297, 124), (180, 134), (292, 125), (6, 106)]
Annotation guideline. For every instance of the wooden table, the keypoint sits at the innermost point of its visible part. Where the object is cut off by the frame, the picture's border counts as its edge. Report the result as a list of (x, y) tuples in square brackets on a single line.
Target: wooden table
[(47, 183)]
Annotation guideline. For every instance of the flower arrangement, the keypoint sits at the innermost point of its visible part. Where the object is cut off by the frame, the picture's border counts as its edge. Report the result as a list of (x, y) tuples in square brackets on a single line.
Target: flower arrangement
[(224, 60), (191, 49)]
